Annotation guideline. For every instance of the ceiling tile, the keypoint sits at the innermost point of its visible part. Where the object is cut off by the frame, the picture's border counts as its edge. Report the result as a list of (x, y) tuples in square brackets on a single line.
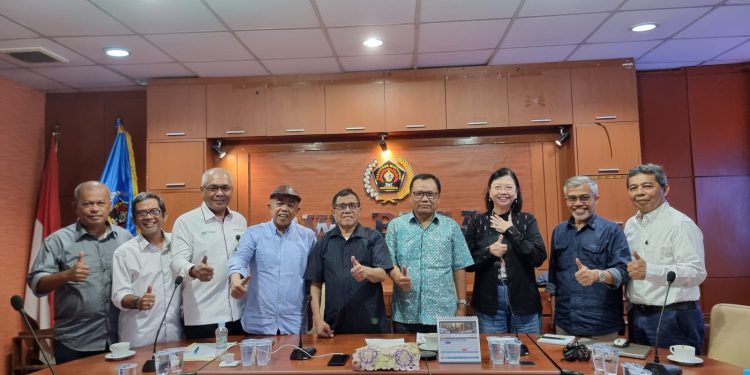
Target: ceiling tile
[(212, 46), (664, 65), (163, 16), (670, 21), (457, 36), (62, 18), (463, 58), (532, 55), (613, 50), (456, 10), (741, 52), (12, 30), (738, 2), (72, 57), (397, 39), (555, 7), (720, 62), (546, 31), (690, 49), (31, 79), (228, 68), (149, 71), (134, 87), (93, 47), (85, 76), (281, 44), (366, 12), (61, 91), (376, 62), (6, 64), (730, 20), (660, 4), (302, 66), (277, 14)]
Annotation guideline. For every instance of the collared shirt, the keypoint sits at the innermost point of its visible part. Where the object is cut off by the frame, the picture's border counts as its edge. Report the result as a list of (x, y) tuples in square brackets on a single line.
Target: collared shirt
[(137, 265), (667, 240), (600, 245), (431, 255), (85, 318), (276, 261), (196, 234), (351, 306)]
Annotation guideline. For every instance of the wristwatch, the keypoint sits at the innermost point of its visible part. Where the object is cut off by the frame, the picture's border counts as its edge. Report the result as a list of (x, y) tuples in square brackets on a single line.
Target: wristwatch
[(462, 301), (601, 276)]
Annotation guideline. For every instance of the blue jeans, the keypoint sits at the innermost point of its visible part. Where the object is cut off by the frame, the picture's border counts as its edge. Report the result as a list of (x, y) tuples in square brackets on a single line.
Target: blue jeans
[(678, 327), (502, 322)]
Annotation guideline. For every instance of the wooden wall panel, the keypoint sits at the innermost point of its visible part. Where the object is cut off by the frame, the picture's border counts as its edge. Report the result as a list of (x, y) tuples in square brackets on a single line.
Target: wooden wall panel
[(724, 290), (664, 120), (682, 195), (22, 153), (724, 224), (720, 122)]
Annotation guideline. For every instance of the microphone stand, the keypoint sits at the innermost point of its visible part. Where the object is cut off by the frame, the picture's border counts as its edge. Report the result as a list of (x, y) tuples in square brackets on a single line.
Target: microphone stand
[(562, 371), (17, 303), (150, 365), (656, 367), (524, 348), (301, 353)]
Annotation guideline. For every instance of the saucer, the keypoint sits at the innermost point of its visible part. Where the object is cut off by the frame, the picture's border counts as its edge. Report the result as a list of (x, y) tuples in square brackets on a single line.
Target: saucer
[(113, 357), (691, 361), (428, 348)]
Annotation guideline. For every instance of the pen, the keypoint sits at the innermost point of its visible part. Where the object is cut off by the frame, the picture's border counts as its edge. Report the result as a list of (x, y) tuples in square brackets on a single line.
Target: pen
[(196, 349), (552, 337)]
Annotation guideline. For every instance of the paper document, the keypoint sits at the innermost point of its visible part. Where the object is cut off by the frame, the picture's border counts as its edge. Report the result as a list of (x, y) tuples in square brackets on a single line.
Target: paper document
[(384, 342), (561, 340), (202, 351)]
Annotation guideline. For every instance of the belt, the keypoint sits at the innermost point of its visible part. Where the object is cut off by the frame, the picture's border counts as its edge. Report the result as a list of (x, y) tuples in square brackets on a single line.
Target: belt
[(649, 309)]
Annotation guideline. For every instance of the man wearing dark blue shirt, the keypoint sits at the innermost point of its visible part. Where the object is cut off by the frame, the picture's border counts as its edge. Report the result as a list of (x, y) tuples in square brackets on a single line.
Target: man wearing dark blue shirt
[(588, 266), (352, 260)]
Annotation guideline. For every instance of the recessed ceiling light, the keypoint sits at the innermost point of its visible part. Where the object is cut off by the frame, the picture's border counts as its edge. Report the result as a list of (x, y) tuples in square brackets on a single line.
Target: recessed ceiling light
[(373, 42), (641, 27), (117, 52)]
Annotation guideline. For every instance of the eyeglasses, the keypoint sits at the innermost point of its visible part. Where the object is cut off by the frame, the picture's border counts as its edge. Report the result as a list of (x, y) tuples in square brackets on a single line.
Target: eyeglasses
[(142, 214), (507, 188), (215, 188), (421, 194), (575, 198), (343, 206)]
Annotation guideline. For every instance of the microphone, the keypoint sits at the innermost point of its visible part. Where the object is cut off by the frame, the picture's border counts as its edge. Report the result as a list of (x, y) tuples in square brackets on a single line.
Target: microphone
[(656, 367), (17, 303), (524, 348), (301, 352), (237, 237), (150, 365), (562, 371)]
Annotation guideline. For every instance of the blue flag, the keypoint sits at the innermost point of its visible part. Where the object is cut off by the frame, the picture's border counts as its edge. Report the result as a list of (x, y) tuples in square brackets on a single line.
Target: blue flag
[(120, 177)]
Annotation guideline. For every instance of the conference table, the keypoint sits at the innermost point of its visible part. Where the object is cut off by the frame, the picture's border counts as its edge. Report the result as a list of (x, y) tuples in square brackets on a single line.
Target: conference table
[(281, 364)]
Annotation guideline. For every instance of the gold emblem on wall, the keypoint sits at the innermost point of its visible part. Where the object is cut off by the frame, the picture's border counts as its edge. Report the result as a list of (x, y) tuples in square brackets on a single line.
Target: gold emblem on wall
[(389, 181)]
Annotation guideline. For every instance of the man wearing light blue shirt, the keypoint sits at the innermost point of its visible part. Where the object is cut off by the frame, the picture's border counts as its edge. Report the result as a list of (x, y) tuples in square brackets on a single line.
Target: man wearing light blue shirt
[(268, 268)]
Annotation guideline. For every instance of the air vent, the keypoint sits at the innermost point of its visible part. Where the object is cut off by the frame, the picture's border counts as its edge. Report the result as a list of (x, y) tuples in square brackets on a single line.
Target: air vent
[(33, 55)]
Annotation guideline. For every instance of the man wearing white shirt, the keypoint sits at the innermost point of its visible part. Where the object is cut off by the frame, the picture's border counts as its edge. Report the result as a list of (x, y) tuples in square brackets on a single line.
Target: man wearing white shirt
[(142, 281), (663, 239), (203, 240)]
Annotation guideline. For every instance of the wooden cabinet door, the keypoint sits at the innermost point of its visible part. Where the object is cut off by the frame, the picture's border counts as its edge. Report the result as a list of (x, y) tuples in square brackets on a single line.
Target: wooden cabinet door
[(178, 202), (176, 111), (355, 106), (607, 148), (476, 101), (175, 165), (614, 202), (295, 109), (415, 104), (604, 94), (539, 97), (235, 110)]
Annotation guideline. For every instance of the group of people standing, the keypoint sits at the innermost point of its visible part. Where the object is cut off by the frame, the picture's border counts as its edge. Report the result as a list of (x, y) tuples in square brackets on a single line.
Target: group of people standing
[(110, 287)]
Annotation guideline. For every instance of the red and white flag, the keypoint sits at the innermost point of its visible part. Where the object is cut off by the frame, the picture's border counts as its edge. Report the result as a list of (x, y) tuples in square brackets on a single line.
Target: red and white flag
[(47, 221)]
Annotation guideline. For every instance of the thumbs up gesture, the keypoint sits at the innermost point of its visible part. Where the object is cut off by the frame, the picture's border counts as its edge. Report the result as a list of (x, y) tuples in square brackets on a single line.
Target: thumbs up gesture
[(403, 280), (238, 288), (498, 248), (358, 271), (80, 270), (637, 267), (202, 271), (148, 299), (584, 275)]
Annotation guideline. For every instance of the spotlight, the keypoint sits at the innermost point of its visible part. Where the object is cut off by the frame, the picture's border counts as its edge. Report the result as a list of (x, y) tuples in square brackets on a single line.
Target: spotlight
[(384, 152), (217, 149), (117, 52), (564, 134)]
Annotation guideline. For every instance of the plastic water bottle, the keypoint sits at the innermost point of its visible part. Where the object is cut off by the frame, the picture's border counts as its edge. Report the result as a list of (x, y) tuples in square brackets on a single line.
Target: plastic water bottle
[(221, 338)]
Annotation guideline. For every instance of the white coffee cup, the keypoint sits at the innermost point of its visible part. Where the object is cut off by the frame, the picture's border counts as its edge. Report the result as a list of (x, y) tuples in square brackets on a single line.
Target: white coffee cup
[(430, 340), (120, 348), (682, 352)]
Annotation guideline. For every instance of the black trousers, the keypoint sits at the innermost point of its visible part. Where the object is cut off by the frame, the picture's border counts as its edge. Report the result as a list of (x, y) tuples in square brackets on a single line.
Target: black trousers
[(209, 330), (399, 327), (65, 354)]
